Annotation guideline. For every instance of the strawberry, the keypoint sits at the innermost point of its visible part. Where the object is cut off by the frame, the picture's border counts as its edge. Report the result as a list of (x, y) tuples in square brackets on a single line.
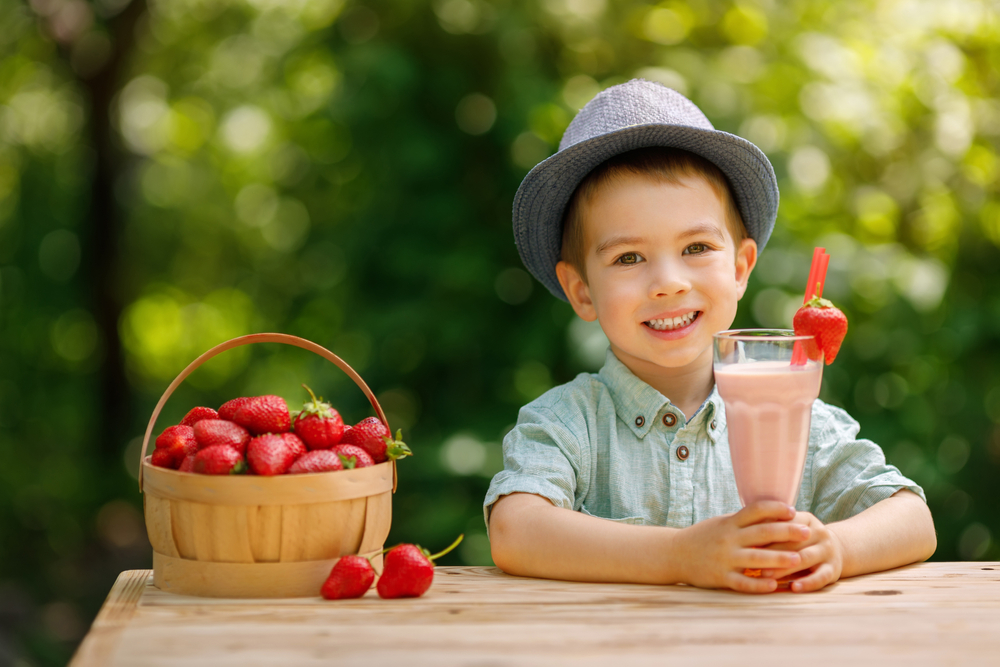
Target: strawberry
[(187, 465), (211, 432), (163, 458), (351, 577), (372, 435), (178, 441), (408, 571), (825, 323), (318, 424), (320, 460), (353, 456), (197, 414), (230, 408), (218, 460), (264, 414), (273, 454)]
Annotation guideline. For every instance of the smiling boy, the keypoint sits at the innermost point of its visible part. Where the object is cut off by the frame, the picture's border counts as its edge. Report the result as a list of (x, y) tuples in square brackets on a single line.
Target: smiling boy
[(650, 221)]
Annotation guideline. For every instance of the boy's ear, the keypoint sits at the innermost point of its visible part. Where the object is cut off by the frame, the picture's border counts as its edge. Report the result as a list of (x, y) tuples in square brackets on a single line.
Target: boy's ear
[(746, 259), (577, 291)]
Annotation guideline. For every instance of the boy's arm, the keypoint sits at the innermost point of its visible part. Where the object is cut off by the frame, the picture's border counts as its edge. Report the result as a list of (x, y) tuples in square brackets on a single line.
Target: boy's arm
[(894, 532), (897, 531), (529, 536)]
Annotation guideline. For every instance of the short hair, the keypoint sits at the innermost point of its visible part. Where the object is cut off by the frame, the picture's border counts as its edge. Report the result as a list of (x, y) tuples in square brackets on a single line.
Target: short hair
[(667, 165)]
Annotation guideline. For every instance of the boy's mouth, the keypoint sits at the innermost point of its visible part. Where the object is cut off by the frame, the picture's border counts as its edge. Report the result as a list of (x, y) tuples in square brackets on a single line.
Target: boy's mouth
[(672, 323)]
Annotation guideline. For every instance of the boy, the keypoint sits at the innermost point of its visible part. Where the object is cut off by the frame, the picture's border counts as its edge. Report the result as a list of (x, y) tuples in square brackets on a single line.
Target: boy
[(650, 221)]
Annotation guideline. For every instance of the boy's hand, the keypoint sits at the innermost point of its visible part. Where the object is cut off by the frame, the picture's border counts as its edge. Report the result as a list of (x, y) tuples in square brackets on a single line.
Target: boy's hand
[(715, 552), (822, 556)]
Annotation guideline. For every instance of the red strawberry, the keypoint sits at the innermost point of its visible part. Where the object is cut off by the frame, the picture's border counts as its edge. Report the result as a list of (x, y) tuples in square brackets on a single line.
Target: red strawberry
[(264, 414), (351, 577), (163, 458), (211, 432), (187, 465), (826, 323), (218, 460), (273, 454), (178, 441), (320, 460), (372, 435), (197, 414), (318, 424), (353, 456), (230, 408), (295, 443), (409, 571)]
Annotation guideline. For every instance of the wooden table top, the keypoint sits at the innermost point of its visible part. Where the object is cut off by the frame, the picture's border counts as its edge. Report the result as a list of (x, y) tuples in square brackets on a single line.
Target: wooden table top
[(927, 614)]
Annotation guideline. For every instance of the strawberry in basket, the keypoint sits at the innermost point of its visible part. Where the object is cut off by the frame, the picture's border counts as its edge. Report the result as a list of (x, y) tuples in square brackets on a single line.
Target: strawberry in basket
[(373, 436), (274, 453), (173, 445), (318, 424)]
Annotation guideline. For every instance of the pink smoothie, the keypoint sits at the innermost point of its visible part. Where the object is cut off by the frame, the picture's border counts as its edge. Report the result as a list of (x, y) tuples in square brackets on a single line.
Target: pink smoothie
[(768, 404)]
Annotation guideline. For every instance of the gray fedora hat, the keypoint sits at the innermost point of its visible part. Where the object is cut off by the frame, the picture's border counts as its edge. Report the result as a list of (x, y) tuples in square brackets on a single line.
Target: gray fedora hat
[(635, 114)]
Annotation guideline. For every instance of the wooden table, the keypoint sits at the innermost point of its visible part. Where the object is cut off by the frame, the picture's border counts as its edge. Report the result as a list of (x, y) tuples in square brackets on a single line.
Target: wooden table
[(928, 614)]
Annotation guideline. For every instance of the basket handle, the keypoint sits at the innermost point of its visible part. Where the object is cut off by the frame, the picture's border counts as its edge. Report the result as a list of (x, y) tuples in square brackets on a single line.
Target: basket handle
[(250, 339)]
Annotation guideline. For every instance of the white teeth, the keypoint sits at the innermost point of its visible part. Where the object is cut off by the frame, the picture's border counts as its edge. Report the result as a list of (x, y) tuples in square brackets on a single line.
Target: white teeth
[(671, 323)]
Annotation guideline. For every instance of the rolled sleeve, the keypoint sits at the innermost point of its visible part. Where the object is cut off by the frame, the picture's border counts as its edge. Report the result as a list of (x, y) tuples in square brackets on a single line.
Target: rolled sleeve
[(541, 456), (850, 474)]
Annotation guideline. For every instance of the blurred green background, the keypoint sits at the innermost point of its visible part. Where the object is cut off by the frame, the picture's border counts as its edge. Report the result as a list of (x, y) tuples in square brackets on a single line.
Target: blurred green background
[(174, 173)]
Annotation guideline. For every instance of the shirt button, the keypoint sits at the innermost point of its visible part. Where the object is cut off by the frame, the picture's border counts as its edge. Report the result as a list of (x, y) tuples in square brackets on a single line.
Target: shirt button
[(683, 453), (669, 419), (713, 425), (640, 420)]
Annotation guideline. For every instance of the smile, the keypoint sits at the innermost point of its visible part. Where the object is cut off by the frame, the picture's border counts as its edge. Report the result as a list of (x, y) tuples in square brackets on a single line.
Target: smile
[(672, 323)]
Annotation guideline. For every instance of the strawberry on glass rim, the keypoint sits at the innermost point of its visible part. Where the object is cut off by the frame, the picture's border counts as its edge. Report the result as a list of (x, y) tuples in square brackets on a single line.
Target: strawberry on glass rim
[(826, 323)]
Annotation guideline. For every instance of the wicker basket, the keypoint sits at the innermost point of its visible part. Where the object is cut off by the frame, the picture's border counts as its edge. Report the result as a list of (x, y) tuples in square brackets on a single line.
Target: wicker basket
[(248, 536)]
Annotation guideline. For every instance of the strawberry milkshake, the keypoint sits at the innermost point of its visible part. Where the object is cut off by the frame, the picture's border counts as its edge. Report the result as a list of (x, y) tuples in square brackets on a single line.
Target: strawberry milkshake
[(768, 406)]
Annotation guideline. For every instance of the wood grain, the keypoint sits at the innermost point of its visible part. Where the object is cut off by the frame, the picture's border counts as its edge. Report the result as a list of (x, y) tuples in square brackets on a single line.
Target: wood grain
[(927, 614)]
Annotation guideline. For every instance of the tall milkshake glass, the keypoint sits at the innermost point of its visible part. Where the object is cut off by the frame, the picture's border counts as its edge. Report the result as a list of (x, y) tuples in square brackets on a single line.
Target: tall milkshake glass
[(768, 406)]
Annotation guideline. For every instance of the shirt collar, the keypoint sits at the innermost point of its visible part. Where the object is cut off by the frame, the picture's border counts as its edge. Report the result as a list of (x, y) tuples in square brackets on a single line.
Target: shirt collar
[(639, 405)]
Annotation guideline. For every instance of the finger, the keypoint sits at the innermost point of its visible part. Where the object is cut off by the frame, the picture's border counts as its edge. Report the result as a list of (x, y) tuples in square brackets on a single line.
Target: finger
[(780, 532), (821, 577), (811, 557), (763, 510), (744, 584), (759, 559)]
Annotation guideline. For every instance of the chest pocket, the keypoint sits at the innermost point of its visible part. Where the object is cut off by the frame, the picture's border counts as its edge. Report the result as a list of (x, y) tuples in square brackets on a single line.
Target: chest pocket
[(633, 520)]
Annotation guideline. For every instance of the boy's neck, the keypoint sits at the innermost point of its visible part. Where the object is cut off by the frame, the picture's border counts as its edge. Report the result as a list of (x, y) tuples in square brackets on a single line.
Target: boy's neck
[(687, 387)]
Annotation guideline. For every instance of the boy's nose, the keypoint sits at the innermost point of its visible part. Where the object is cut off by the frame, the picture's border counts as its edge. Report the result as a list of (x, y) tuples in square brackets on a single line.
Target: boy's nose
[(668, 279)]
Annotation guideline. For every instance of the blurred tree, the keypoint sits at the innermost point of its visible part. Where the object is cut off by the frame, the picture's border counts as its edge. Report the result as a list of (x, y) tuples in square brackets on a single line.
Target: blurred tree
[(179, 172)]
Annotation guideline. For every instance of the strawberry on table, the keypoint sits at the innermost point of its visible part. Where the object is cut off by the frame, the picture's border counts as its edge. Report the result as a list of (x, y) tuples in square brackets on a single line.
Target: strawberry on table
[(197, 414), (264, 414), (229, 409), (318, 460), (826, 323), (211, 432), (218, 460), (353, 456), (372, 435), (351, 577), (274, 453), (318, 424), (409, 571), (177, 442)]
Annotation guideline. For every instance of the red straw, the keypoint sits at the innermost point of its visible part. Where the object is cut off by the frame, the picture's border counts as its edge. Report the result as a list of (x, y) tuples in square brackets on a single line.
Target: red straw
[(814, 287)]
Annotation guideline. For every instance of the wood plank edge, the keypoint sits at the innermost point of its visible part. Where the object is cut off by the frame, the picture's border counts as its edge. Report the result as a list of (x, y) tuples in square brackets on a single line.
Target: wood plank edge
[(118, 609)]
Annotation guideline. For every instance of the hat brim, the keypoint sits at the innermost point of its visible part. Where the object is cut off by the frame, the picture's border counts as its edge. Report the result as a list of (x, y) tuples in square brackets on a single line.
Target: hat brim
[(546, 190)]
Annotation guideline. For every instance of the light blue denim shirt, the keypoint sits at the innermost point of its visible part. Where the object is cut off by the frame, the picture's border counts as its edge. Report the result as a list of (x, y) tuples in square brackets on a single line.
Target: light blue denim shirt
[(606, 444)]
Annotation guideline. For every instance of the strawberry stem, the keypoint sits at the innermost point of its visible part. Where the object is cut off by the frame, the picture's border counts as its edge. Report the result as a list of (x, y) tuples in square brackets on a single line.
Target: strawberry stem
[(311, 394), (453, 545)]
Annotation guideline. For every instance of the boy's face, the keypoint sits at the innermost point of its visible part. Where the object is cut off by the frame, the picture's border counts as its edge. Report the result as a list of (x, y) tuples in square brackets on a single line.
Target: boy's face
[(661, 275)]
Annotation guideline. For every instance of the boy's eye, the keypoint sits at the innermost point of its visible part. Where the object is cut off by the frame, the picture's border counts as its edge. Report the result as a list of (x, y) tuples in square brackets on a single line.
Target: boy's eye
[(696, 249), (629, 258)]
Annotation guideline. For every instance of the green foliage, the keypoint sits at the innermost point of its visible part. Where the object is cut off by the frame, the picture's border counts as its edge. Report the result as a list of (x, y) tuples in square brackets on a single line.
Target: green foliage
[(344, 172)]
